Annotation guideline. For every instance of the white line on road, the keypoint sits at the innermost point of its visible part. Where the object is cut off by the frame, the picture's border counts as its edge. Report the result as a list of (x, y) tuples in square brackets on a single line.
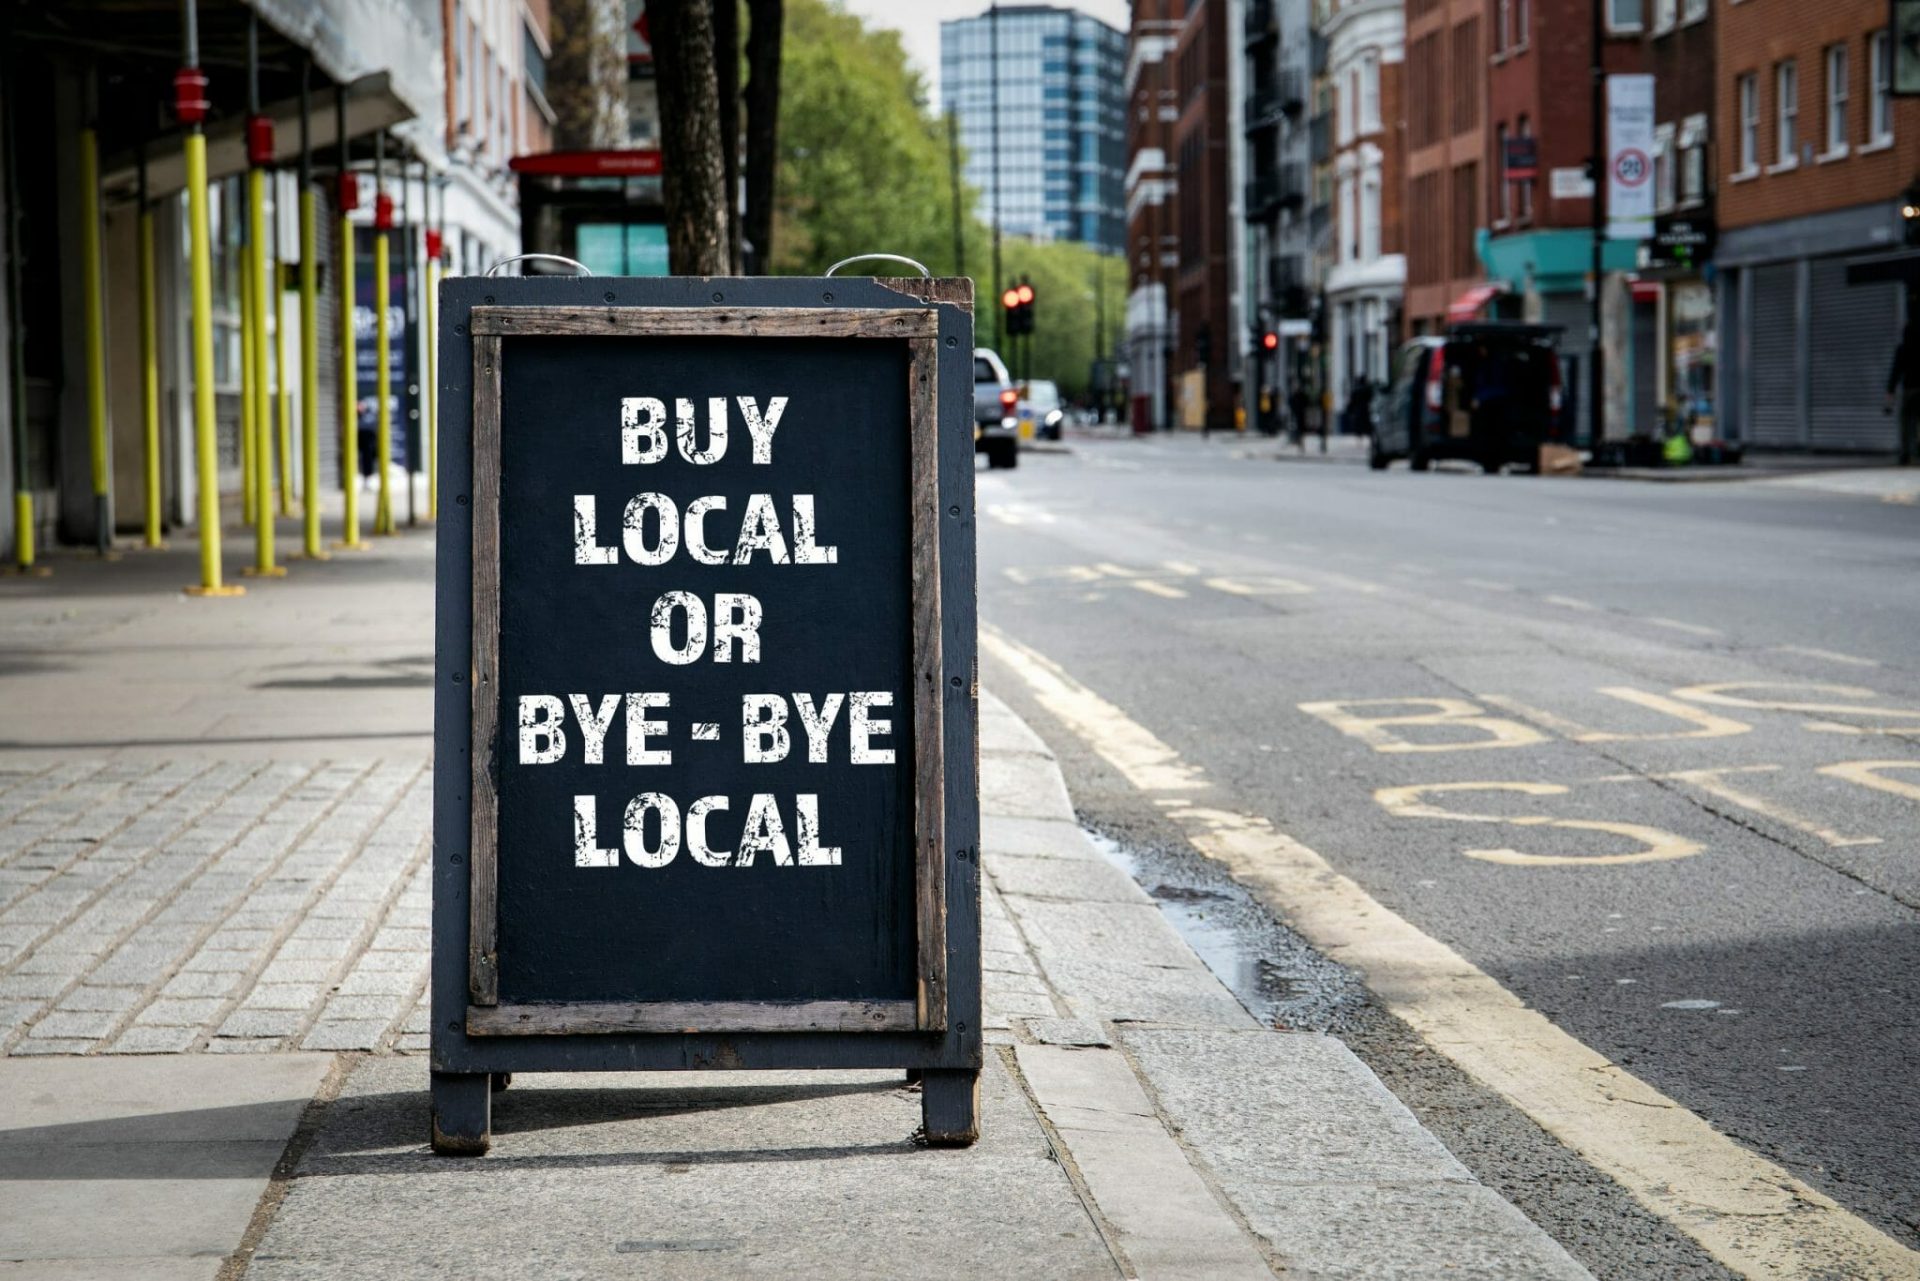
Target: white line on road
[(1674, 624), (1832, 656), (1152, 588), (1571, 602), (1748, 1212)]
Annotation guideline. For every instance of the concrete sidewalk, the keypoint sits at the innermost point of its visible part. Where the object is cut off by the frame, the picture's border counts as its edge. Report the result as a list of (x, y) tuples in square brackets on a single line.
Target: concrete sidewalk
[(211, 967)]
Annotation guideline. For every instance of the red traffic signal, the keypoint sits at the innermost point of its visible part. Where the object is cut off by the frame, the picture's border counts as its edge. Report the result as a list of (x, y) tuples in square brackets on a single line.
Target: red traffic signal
[(1025, 293), (1270, 341), (1010, 299)]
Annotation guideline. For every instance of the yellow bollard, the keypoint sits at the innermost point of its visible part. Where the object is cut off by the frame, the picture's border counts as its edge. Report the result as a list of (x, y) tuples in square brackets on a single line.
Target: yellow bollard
[(383, 371), (433, 391), (309, 377), (93, 311), (349, 393), (149, 381), (247, 427), (256, 267), (283, 416), (206, 458)]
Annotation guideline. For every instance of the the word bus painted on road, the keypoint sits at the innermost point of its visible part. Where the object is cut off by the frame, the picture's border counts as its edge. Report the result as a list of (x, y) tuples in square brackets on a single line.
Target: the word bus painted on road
[(705, 733)]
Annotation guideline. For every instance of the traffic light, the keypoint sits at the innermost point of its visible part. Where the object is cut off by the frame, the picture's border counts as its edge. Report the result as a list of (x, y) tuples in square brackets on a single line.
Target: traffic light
[(1269, 341), (1017, 302), (1910, 215)]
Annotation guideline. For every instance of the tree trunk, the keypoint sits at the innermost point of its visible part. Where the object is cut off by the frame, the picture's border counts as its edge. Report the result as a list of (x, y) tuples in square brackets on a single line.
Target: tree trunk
[(726, 68), (587, 74), (763, 120), (694, 175)]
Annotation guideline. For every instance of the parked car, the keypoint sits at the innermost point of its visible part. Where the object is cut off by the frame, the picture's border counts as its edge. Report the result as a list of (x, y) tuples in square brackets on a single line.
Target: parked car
[(1040, 410), (1489, 393), (996, 428)]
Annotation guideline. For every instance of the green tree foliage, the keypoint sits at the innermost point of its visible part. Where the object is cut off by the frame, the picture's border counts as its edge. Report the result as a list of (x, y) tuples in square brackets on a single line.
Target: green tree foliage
[(865, 168)]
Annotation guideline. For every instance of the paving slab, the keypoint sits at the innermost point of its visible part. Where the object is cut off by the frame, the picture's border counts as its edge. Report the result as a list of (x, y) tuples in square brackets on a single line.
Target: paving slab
[(140, 1167), (1164, 1217), (1328, 1166), (678, 1175)]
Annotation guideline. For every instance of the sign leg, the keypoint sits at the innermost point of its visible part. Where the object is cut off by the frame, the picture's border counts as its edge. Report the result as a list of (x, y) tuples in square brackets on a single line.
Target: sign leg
[(462, 1113), (950, 1106)]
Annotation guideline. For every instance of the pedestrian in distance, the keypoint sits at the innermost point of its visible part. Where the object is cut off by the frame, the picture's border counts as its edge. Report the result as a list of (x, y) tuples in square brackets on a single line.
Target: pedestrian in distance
[(1904, 378), (1297, 418)]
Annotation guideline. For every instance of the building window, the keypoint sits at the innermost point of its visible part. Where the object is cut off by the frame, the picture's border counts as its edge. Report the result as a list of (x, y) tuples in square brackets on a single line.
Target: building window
[(1663, 168), (1623, 15), (1786, 117), (1526, 184), (1370, 93), (1520, 20), (1665, 14), (1693, 160), (1502, 25), (1370, 216), (1693, 10), (1880, 99), (1503, 204), (1836, 100), (1749, 91)]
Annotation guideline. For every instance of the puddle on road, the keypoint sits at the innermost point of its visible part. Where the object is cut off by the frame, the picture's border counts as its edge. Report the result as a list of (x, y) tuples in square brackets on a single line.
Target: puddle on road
[(1281, 981)]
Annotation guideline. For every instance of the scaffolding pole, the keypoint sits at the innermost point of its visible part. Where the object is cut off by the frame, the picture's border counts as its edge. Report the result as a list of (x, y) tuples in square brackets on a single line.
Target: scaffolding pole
[(309, 335), (259, 149), (346, 197), (94, 320), (382, 358), (149, 369), (190, 105), (23, 549)]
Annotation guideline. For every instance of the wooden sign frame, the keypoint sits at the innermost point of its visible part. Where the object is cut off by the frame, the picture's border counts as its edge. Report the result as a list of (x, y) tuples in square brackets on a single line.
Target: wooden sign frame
[(476, 1039)]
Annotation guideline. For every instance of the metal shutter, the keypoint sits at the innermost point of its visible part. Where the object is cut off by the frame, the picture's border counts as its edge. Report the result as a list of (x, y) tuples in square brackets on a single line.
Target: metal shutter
[(1774, 393), (1855, 330)]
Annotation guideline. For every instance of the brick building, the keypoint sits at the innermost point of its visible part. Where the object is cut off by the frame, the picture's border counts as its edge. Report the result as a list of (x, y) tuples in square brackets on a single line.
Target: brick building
[(1279, 197), (1676, 387), (1364, 285), (1444, 79), (1153, 255), (1812, 159), (1540, 246), (1204, 157)]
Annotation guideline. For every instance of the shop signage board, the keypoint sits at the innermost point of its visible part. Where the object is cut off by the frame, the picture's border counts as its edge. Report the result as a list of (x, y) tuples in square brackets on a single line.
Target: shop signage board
[(1681, 242), (705, 722)]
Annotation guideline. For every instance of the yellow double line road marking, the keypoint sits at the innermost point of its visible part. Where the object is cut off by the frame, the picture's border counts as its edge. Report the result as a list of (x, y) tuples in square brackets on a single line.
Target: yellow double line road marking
[(1750, 1214)]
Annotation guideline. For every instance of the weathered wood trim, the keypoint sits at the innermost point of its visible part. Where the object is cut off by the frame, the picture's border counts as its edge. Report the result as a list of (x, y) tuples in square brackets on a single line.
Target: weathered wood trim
[(720, 322), (919, 329), (691, 1017), (483, 958), (929, 694)]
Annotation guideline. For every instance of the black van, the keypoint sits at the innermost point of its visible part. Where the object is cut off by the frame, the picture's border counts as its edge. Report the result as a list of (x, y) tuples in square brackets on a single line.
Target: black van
[(1489, 393)]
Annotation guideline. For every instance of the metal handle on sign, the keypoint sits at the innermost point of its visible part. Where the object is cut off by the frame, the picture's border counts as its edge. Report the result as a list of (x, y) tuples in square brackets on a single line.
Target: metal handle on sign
[(917, 266), (579, 267)]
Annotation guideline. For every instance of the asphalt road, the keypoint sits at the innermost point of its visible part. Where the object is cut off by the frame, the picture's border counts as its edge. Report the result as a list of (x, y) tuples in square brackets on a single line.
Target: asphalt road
[(1648, 755)]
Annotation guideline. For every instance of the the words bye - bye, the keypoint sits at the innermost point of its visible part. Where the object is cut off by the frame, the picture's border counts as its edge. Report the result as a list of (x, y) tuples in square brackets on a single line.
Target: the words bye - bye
[(683, 628)]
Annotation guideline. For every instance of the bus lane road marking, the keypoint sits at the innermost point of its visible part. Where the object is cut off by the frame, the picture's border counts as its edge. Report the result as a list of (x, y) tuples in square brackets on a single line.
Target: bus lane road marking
[(1749, 1213)]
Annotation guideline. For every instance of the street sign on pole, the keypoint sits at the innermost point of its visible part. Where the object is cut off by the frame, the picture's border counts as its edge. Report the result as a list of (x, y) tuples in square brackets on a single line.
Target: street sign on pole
[(1630, 195), (705, 734)]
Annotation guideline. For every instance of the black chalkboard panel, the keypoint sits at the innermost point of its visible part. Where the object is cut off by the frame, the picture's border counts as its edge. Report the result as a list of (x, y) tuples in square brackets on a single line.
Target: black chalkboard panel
[(687, 931), (828, 554)]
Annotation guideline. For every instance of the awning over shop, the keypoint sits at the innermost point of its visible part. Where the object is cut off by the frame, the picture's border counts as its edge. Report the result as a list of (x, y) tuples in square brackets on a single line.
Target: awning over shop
[(1899, 267), (1469, 305), (372, 105)]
